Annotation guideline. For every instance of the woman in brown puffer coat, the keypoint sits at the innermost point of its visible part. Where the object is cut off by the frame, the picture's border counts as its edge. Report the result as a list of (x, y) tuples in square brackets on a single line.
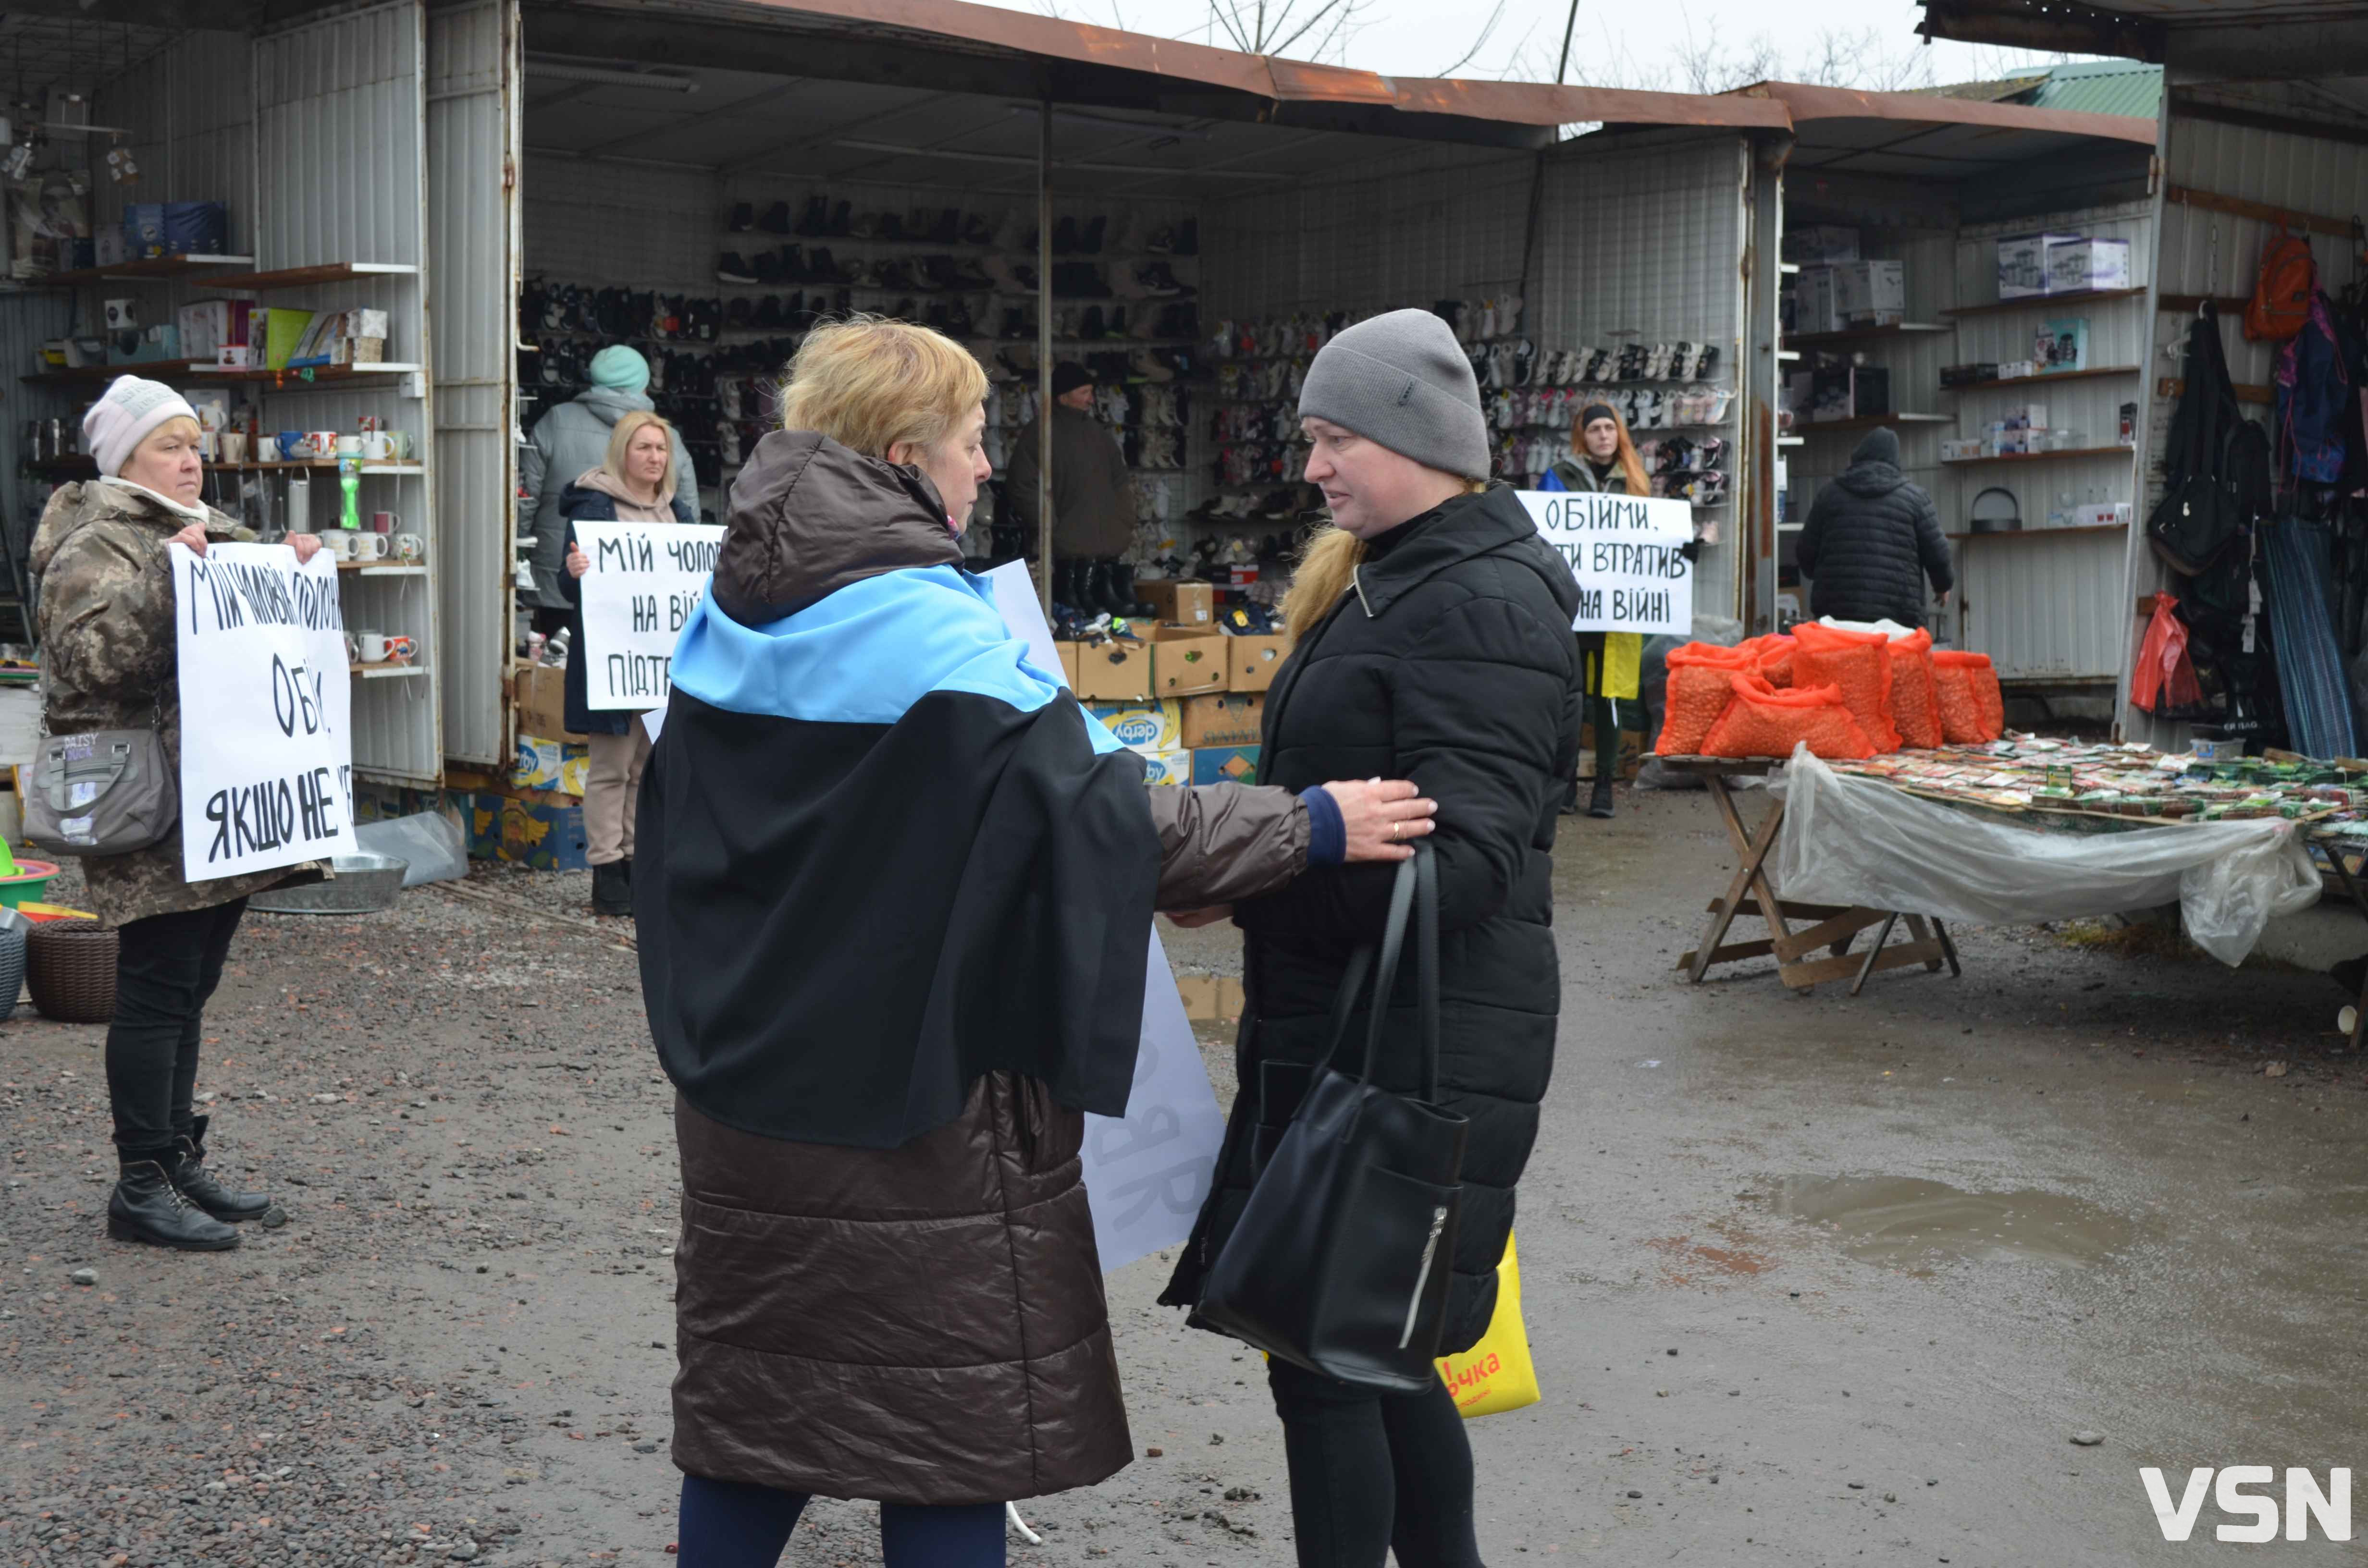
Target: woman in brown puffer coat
[(894, 896)]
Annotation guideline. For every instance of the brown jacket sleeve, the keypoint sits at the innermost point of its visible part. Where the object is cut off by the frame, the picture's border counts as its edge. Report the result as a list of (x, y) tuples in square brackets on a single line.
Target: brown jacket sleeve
[(1223, 842)]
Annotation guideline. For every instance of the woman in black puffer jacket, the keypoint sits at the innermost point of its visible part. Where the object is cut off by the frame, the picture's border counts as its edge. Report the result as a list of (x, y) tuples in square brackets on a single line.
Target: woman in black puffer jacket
[(1871, 539), (1434, 645)]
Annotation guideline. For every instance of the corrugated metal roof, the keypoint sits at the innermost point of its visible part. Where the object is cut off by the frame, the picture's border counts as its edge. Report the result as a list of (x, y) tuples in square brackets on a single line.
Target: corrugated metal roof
[(2112, 86)]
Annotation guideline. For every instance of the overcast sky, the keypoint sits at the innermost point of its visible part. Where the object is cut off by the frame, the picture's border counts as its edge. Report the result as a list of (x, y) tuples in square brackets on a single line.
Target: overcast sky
[(1621, 44)]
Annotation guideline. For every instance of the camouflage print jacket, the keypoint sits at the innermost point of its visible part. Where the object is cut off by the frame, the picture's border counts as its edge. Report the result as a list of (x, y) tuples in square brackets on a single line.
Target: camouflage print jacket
[(109, 662)]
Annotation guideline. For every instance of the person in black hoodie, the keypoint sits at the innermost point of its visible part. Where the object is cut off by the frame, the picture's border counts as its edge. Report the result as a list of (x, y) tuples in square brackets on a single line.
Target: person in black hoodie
[(1871, 539), (1433, 643)]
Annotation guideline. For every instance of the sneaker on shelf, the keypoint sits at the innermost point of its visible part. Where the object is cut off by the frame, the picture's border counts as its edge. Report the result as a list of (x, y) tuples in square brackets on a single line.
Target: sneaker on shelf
[(731, 268)]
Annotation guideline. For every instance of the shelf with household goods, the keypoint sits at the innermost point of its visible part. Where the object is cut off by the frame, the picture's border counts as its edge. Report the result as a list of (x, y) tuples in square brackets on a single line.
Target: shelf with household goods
[(301, 373), (153, 270), (382, 568), (1865, 334), (69, 467), (2042, 301), (2113, 451), (2043, 376), (384, 670), (1868, 421), (2042, 533)]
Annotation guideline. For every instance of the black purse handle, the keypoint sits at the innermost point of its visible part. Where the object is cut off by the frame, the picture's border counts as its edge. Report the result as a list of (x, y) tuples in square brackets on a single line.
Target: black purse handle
[(1415, 894)]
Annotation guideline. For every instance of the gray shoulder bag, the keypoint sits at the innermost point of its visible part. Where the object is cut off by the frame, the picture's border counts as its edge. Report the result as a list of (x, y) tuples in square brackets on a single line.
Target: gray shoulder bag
[(102, 793)]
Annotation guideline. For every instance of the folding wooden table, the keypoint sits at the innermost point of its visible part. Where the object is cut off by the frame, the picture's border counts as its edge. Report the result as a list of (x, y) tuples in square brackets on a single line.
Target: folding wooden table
[(1832, 925)]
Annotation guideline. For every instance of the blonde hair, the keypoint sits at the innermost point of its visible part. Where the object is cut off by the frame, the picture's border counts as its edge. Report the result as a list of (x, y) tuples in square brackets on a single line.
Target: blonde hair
[(1326, 566), (870, 384), (621, 440)]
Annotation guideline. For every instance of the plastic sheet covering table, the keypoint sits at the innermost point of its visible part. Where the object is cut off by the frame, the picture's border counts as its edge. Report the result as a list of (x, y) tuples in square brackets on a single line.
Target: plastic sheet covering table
[(1858, 840), (1754, 888)]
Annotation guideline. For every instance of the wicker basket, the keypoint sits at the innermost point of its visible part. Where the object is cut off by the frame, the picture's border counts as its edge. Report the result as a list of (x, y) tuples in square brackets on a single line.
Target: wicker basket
[(70, 966)]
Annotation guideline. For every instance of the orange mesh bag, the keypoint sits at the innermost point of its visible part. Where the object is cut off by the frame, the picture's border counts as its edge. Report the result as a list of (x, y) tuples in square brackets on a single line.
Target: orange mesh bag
[(1973, 710), (1774, 654), (1764, 722), (1858, 662), (1698, 691), (1915, 705)]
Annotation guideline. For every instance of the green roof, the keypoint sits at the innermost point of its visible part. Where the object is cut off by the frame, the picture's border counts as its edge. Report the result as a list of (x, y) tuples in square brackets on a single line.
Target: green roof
[(2104, 87)]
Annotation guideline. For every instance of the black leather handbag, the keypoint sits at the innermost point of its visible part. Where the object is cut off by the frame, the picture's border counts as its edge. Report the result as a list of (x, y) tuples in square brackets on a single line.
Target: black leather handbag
[(1340, 1260)]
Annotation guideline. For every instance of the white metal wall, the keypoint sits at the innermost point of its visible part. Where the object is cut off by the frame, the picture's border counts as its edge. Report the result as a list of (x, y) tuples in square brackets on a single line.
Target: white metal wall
[(340, 117), (472, 65), (191, 112), (1640, 239), (2207, 253)]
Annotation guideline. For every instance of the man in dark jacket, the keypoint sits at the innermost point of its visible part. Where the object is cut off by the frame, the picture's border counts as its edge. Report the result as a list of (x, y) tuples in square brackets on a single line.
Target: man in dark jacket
[(1871, 538), (1093, 495)]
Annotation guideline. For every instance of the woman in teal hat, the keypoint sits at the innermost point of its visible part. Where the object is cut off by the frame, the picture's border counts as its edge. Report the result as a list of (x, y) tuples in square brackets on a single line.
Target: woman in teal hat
[(566, 441)]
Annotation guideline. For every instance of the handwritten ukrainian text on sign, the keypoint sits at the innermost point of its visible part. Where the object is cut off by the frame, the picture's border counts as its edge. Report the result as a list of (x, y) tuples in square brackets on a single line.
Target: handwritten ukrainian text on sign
[(1626, 553), (644, 581), (266, 752)]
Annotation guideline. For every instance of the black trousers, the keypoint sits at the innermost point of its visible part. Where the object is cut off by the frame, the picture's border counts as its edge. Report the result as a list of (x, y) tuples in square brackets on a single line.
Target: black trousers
[(169, 967), (1372, 1474)]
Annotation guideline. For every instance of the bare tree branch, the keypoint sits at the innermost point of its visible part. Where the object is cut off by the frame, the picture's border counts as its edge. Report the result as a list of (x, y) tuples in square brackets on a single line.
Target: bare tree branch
[(1479, 43)]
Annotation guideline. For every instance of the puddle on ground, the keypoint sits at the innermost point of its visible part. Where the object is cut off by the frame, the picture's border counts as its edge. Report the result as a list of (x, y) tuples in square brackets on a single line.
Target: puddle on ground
[(1904, 1223)]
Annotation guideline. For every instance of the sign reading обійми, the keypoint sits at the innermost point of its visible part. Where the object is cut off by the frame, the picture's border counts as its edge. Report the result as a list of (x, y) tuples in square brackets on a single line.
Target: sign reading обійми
[(1626, 552)]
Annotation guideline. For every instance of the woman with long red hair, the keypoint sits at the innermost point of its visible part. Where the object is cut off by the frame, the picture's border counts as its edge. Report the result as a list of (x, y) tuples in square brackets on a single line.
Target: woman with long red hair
[(1603, 458)]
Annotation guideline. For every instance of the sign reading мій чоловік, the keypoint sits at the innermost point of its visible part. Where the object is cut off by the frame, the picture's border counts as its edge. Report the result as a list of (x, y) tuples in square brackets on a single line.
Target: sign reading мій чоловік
[(1626, 553), (644, 581), (267, 754)]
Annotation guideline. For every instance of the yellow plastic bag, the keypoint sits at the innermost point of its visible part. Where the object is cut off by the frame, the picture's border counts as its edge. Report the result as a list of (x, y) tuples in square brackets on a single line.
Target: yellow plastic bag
[(1496, 1374)]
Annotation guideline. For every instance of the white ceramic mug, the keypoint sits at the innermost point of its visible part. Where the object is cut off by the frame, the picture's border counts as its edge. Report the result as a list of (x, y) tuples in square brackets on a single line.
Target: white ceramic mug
[(321, 444), (409, 547), (378, 446), (365, 546), (234, 446), (267, 449), (345, 446), (339, 544), (371, 646)]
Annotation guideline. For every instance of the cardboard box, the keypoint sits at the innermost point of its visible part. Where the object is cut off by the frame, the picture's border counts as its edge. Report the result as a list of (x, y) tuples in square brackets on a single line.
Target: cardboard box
[(551, 765), (1818, 306), (1850, 392), (1870, 290), (1212, 998), (545, 838), (1957, 448), (2077, 266), (1167, 767), (205, 327), (539, 703), (1225, 765), (2022, 264), (1145, 727), (1251, 662), (1114, 671), (1233, 719), (1814, 243), (1179, 601), (2061, 344), (1632, 752), (1186, 660), (1068, 652)]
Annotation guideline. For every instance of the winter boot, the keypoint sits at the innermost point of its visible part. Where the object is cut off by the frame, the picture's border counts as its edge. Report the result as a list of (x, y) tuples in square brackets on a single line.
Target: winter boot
[(198, 1185), (147, 1207), (1600, 804), (776, 219), (611, 895), (744, 218), (731, 269)]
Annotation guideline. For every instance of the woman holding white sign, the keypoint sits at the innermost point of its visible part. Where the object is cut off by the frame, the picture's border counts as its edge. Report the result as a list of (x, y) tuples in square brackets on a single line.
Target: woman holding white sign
[(111, 661), (635, 484)]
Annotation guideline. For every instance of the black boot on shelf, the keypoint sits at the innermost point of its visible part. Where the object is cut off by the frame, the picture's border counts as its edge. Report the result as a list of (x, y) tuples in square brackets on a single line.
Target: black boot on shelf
[(1064, 236), (147, 1207), (814, 221), (731, 268), (1089, 238), (198, 1185), (776, 219), (1187, 238), (743, 218), (611, 893)]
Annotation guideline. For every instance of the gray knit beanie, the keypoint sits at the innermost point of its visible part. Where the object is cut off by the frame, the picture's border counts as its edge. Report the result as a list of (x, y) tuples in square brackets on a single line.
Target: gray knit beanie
[(1402, 379)]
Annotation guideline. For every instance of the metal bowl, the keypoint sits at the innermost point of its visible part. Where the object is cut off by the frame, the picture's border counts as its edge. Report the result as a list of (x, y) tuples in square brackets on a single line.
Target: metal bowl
[(364, 884)]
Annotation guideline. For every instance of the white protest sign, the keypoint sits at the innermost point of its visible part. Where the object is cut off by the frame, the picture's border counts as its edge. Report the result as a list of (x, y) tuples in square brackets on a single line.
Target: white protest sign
[(645, 580), (1146, 1173), (1624, 551), (267, 753)]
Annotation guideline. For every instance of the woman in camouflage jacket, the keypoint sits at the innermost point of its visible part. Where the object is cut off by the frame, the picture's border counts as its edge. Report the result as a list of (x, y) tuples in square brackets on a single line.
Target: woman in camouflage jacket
[(109, 662)]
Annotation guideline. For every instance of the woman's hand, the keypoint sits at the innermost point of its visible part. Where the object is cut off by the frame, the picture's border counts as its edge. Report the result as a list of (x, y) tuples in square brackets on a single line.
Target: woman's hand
[(194, 536), (1193, 919), (305, 545), (1383, 817), (578, 562)]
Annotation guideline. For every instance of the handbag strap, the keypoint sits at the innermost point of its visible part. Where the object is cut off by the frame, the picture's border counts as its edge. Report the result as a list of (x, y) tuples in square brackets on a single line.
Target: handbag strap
[(1416, 884)]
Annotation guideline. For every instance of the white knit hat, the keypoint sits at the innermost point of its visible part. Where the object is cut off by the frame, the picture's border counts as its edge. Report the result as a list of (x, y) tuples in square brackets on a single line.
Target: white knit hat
[(121, 420)]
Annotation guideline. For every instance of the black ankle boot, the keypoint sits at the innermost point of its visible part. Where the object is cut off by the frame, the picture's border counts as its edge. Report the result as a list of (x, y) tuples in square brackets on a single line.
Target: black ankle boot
[(147, 1207), (1600, 806), (197, 1183), (611, 893)]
